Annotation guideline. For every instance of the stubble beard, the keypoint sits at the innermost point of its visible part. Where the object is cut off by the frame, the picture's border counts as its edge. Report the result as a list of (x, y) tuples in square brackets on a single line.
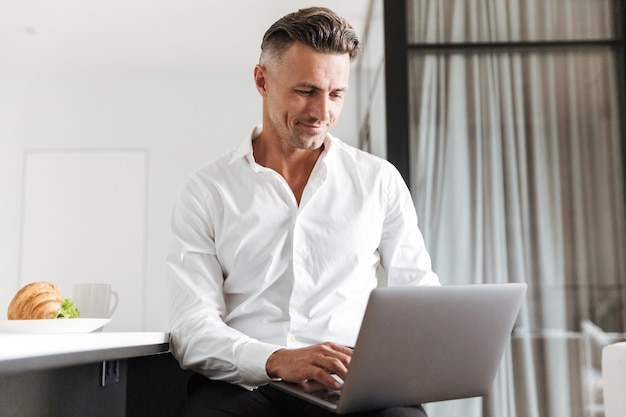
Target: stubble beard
[(304, 141)]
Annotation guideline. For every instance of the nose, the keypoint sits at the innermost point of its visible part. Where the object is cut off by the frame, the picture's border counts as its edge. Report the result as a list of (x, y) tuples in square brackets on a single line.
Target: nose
[(320, 108)]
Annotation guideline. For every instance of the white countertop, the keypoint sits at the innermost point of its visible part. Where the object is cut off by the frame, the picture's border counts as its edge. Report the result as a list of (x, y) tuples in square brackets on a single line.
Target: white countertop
[(25, 352)]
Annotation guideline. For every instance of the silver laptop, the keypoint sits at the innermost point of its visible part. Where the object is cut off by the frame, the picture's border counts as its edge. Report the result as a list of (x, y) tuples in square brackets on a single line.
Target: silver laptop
[(423, 344)]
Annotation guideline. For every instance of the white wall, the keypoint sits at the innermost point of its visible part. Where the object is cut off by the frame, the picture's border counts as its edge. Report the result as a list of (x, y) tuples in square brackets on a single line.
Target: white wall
[(180, 121)]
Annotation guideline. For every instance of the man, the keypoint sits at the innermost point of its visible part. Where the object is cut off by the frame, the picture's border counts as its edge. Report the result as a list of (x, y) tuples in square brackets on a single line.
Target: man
[(275, 245)]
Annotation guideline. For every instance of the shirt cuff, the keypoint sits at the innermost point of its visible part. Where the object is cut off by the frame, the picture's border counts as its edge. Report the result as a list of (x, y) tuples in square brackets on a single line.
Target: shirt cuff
[(252, 363)]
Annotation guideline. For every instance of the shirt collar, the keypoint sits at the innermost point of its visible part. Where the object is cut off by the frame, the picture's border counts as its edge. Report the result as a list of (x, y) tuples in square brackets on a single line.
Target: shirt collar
[(245, 148)]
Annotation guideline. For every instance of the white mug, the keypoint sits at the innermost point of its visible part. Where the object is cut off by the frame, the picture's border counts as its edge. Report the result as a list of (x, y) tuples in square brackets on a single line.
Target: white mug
[(94, 300)]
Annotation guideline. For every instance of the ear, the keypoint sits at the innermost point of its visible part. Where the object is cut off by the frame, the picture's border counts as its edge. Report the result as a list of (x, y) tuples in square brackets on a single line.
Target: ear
[(260, 79)]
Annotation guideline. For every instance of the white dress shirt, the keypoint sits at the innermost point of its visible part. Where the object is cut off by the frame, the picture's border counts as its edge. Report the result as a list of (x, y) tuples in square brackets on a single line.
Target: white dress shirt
[(251, 271)]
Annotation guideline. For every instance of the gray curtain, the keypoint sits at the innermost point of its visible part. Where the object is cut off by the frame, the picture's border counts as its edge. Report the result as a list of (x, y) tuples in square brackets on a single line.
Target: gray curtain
[(517, 177)]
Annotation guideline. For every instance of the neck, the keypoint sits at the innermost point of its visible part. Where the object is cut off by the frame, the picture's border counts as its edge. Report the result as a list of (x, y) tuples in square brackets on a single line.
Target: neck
[(294, 165)]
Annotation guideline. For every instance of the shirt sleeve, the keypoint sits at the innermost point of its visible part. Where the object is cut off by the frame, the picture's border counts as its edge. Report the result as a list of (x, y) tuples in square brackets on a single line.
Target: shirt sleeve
[(402, 249), (200, 340)]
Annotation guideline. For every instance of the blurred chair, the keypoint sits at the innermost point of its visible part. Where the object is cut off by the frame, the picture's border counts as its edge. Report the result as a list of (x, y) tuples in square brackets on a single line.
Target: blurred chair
[(614, 379), (594, 339)]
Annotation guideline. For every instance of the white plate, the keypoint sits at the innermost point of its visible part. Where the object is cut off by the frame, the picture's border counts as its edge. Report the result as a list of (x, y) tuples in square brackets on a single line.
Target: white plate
[(52, 325)]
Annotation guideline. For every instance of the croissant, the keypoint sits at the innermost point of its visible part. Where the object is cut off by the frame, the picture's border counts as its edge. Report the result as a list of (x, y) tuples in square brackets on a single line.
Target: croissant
[(37, 300)]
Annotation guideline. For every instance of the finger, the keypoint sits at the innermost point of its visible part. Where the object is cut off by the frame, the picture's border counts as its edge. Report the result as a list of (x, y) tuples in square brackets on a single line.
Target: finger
[(324, 365), (333, 363), (338, 352), (343, 349), (323, 377)]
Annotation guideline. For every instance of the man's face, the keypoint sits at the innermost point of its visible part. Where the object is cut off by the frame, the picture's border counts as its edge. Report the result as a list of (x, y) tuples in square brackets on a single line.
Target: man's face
[(302, 95)]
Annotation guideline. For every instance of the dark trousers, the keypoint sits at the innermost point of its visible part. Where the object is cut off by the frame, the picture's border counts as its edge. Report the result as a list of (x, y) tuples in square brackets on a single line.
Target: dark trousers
[(219, 399)]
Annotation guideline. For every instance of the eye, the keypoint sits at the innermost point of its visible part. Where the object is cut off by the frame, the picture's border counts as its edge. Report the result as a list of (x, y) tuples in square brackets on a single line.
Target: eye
[(305, 92)]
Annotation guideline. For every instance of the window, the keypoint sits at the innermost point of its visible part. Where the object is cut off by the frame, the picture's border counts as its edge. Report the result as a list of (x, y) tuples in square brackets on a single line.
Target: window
[(506, 119)]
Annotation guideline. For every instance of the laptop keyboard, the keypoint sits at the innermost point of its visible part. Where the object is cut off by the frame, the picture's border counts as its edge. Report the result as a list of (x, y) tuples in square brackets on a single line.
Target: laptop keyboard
[(328, 395)]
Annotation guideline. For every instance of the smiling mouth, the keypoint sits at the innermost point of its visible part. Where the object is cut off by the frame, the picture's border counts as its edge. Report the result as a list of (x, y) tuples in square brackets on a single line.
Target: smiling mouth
[(313, 126)]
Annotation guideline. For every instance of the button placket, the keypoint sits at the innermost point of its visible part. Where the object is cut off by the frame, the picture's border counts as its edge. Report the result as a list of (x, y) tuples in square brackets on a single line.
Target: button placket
[(302, 280)]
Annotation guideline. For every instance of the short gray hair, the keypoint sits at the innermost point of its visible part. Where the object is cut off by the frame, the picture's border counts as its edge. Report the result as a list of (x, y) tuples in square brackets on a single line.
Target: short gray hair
[(317, 27)]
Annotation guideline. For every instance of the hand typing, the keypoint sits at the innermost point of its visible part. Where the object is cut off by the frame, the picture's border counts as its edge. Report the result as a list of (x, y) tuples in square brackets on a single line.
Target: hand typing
[(315, 362)]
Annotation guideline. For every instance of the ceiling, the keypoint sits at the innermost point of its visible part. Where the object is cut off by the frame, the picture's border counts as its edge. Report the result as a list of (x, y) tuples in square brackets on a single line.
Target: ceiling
[(48, 37)]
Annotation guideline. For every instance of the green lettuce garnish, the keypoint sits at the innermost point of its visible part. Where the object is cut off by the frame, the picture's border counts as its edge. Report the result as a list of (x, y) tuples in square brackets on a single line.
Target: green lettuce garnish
[(67, 310)]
